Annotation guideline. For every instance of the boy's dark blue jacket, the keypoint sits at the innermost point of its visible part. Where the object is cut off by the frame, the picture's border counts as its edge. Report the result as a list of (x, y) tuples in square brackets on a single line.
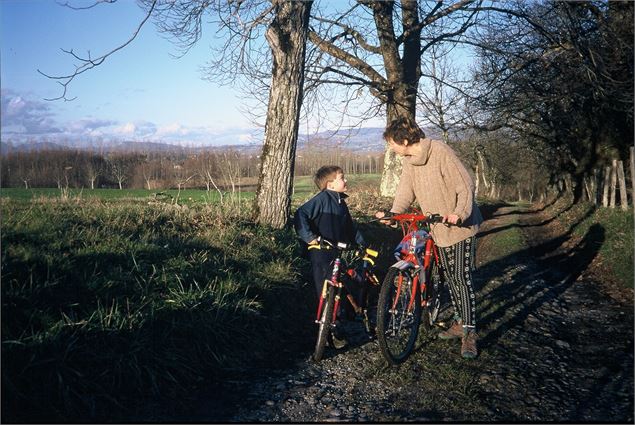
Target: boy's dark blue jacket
[(327, 215)]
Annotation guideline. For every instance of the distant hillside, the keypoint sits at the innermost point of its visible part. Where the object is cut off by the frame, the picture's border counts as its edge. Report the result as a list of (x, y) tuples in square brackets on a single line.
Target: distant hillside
[(363, 140)]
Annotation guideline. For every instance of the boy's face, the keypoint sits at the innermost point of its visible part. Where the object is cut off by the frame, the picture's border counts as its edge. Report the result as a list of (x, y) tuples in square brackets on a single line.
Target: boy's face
[(337, 185)]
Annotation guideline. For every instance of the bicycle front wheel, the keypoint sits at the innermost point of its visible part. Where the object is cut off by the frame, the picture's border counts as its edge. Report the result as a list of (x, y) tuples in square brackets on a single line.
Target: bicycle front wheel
[(325, 324), (398, 315)]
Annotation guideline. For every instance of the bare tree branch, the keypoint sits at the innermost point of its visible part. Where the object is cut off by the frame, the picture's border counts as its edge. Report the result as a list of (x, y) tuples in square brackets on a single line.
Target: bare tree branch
[(348, 58), (70, 6), (88, 63), (347, 30)]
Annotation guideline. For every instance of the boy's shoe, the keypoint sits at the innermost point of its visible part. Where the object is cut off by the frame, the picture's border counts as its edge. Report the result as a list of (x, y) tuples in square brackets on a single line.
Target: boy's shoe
[(455, 331), (468, 344), (339, 343), (338, 338)]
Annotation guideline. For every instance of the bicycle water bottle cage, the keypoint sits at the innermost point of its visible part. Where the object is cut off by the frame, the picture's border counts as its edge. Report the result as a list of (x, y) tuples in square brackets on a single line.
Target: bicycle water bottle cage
[(404, 248)]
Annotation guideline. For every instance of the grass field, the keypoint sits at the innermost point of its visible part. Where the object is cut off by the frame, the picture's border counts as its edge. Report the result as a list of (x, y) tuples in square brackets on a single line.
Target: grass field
[(109, 307), (617, 244), (304, 188)]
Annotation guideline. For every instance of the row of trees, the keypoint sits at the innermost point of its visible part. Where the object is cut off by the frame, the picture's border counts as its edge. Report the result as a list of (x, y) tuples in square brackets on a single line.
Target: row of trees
[(214, 170), (508, 169)]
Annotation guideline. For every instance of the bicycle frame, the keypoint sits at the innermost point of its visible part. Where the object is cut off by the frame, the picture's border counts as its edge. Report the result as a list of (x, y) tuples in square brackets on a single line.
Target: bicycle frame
[(336, 281), (411, 223)]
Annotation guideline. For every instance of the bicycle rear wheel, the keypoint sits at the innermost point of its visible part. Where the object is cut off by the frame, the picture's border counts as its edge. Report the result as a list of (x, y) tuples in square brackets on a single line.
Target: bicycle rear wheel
[(432, 297), (398, 315), (325, 324)]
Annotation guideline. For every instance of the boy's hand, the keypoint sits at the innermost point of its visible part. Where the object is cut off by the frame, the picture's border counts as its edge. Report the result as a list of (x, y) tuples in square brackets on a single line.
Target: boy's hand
[(313, 242), (382, 214)]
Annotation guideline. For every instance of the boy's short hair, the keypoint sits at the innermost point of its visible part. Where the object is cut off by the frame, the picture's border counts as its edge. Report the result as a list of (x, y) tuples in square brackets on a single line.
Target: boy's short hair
[(325, 174), (401, 129)]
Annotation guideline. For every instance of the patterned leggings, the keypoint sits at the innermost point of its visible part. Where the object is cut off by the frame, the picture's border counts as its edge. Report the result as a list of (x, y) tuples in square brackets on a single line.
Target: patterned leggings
[(458, 263)]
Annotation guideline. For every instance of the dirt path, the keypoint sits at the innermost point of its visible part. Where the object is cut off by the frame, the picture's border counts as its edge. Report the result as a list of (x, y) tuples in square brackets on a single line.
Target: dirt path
[(553, 347)]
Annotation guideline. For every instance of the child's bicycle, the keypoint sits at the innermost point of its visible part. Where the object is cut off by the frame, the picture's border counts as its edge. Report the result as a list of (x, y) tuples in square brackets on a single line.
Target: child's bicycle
[(352, 264), (411, 290)]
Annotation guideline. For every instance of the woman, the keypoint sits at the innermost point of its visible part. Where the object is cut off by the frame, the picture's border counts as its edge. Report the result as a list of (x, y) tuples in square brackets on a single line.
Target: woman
[(434, 176)]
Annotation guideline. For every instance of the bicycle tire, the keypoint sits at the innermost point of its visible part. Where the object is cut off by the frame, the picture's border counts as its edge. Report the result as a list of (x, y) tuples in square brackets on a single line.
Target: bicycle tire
[(397, 329), (432, 295), (325, 325)]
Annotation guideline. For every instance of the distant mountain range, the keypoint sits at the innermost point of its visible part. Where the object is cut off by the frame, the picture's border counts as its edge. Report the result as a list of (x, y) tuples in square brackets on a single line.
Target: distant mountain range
[(361, 140)]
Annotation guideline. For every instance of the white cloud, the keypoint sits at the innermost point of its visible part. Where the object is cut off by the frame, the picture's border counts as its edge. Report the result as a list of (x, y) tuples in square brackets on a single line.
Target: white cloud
[(22, 115), (87, 126), (174, 129), (245, 138), (127, 129)]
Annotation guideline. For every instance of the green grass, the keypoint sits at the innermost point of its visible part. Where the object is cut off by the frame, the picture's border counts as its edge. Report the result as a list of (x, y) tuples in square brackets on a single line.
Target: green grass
[(610, 228), (186, 196), (304, 189), (108, 307), (509, 239)]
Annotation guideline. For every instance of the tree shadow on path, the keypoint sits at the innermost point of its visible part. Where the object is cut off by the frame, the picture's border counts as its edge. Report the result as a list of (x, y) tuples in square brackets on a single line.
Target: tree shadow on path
[(534, 282), (588, 213)]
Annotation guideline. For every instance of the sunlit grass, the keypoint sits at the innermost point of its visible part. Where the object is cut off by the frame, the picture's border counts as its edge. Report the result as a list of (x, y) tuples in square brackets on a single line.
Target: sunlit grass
[(617, 244)]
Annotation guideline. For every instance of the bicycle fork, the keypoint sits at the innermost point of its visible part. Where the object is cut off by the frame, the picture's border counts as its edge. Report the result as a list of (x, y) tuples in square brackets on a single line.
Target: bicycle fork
[(334, 281)]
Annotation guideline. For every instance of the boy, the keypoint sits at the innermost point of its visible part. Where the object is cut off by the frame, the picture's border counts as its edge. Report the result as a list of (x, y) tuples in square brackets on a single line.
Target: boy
[(326, 215)]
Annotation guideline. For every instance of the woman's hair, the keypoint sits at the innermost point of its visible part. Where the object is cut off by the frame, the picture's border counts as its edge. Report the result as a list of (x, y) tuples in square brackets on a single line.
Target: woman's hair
[(326, 174), (401, 129)]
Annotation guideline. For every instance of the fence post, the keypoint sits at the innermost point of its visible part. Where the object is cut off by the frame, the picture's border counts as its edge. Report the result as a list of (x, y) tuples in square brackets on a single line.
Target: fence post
[(622, 182), (595, 186), (613, 183), (605, 192), (633, 176)]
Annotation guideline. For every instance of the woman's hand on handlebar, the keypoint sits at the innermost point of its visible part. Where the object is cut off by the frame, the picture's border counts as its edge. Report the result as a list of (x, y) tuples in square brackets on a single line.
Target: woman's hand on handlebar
[(452, 219)]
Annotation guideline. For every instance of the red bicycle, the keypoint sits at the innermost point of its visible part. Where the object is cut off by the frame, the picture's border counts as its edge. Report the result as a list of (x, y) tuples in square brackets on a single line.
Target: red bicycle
[(351, 265), (411, 289)]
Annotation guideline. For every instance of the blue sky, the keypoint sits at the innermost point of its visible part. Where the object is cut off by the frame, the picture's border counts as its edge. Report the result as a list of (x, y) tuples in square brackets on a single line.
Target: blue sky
[(139, 93)]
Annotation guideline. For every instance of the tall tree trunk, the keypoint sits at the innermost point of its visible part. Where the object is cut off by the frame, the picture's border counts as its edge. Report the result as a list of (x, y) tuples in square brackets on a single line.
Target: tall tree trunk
[(403, 76), (286, 36), (576, 184)]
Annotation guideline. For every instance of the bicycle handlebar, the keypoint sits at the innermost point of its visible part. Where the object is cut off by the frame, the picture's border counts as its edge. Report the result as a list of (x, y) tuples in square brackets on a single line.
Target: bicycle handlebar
[(324, 242), (412, 217)]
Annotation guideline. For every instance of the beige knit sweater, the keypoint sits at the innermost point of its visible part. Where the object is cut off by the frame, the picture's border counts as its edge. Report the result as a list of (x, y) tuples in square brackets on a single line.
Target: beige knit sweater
[(436, 178)]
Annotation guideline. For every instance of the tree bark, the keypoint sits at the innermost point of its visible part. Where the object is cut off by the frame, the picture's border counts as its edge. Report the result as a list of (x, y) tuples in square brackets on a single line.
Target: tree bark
[(286, 36), (402, 75)]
